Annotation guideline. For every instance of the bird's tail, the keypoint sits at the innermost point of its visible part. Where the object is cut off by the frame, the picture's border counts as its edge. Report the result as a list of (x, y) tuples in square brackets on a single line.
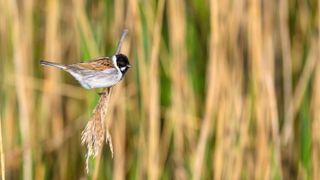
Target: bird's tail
[(47, 63)]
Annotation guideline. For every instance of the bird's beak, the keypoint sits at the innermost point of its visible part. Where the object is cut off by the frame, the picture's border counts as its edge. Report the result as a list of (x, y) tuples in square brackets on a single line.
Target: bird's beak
[(129, 65)]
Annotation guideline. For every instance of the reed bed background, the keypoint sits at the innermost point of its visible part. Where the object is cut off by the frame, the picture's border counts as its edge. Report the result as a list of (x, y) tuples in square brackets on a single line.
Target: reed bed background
[(219, 89)]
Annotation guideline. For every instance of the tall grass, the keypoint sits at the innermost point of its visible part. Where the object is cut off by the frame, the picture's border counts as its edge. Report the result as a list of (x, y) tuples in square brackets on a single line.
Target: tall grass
[(3, 173), (219, 89)]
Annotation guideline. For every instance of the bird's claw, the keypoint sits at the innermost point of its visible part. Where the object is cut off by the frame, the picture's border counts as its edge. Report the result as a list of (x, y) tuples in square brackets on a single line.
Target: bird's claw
[(102, 93)]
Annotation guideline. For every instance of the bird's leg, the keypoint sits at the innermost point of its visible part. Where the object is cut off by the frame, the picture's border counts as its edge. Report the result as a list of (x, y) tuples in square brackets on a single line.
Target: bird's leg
[(105, 92), (102, 93)]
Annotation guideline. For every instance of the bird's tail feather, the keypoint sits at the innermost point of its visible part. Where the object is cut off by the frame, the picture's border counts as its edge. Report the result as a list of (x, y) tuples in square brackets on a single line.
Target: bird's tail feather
[(47, 63)]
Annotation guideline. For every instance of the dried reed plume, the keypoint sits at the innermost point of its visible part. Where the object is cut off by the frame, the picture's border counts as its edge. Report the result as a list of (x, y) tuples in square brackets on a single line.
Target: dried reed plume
[(95, 132)]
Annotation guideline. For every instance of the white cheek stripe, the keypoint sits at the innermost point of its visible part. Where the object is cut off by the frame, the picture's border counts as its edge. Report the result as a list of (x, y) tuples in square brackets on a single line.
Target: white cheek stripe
[(114, 61)]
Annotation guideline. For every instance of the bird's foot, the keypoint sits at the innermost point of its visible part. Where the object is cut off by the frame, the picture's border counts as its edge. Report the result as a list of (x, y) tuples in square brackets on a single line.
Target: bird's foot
[(102, 93)]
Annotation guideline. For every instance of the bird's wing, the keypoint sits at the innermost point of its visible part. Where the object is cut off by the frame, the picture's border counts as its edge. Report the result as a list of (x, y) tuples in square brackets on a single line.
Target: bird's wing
[(98, 64)]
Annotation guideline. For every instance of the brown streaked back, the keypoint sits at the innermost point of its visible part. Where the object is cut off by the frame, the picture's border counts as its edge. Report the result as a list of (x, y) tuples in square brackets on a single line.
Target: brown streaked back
[(98, 64)]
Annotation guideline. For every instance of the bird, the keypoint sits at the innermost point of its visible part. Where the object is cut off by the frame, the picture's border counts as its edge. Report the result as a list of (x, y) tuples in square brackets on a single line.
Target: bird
[(101, 72)]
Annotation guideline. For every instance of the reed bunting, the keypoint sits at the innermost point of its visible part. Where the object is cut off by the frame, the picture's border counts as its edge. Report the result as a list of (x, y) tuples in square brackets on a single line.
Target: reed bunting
[(102, 72)]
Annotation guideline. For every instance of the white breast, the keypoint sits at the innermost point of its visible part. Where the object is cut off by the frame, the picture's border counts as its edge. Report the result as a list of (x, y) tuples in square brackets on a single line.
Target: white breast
[(98, 79)]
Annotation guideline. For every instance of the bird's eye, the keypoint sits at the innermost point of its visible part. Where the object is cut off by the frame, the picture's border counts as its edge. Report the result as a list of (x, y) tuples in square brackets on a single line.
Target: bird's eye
[(122, 61), (121, 64)]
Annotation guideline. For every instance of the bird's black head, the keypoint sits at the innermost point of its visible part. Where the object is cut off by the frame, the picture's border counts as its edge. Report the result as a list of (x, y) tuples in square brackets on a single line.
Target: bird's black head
[(123, 63)]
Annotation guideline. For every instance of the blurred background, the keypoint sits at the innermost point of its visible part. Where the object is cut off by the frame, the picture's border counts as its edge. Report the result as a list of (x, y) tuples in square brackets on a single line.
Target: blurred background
[(218, 89)]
